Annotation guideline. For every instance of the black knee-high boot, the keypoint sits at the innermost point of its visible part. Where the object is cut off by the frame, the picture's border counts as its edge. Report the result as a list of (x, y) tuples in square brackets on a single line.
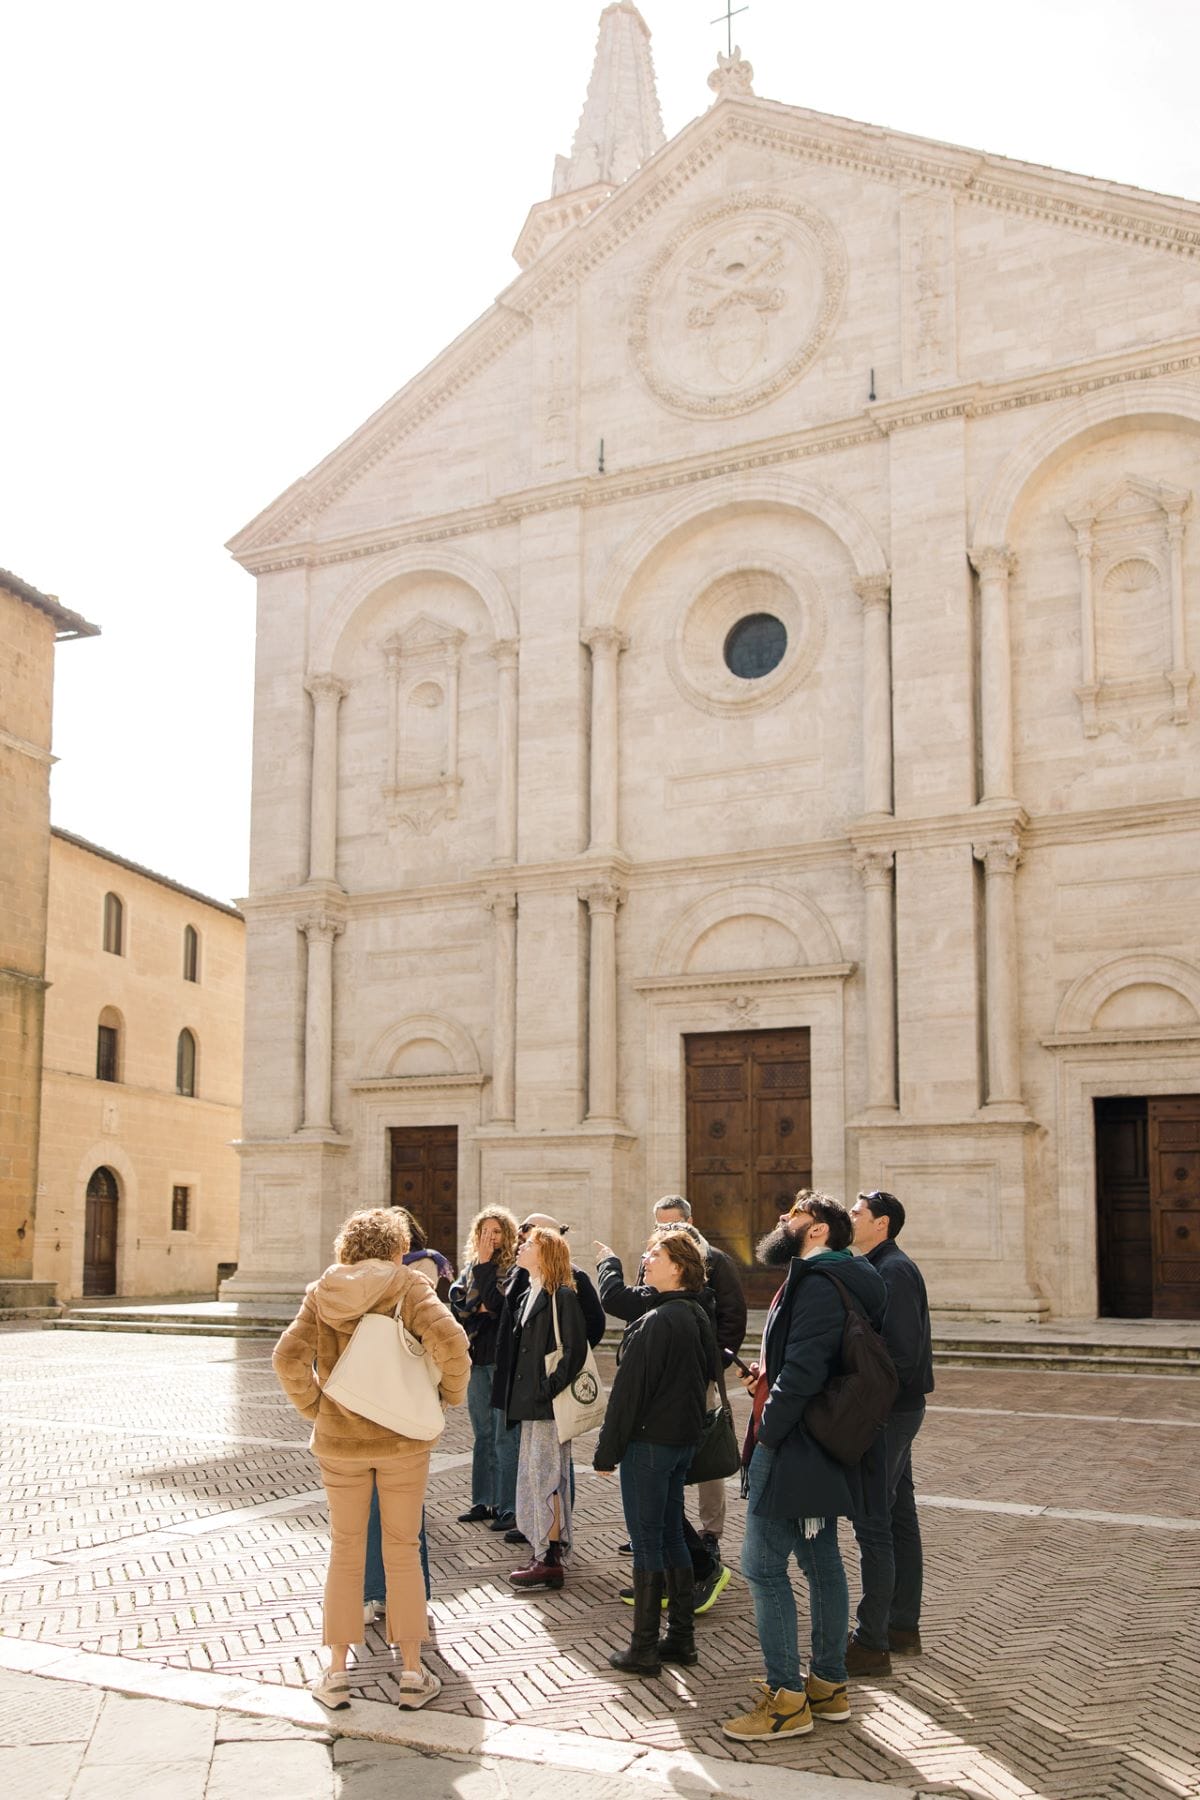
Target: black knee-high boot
[(642, 1657), (679, 1645)]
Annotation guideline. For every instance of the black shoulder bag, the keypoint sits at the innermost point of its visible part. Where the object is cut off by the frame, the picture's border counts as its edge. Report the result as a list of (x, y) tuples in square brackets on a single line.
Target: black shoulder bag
[(717, 1454), (854, 1404)]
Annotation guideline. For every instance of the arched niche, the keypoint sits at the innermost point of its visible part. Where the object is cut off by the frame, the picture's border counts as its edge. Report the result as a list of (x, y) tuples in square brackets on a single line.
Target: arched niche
[(748, 922), (398, 570), (424, 1044), (1140, 992)]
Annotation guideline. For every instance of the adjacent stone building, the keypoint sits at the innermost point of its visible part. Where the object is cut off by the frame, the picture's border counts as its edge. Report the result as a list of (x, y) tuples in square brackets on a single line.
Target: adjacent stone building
[(142, 1079), (730, 722), (31, 623)]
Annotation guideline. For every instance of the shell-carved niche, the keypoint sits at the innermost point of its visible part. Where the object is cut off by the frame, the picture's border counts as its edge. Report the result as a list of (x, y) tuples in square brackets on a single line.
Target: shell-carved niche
[(423, 782), (1130, 546)]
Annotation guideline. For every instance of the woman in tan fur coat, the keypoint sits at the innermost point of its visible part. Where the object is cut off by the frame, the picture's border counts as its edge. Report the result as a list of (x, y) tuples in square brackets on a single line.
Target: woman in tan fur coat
[(356, 1455)]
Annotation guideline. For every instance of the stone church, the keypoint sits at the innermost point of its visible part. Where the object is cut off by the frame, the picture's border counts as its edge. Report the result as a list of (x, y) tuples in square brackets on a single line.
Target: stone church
[(729, 724)]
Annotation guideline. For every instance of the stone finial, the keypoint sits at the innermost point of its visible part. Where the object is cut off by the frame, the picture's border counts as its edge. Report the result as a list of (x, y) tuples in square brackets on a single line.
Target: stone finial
[(621, 125), (733, 76)]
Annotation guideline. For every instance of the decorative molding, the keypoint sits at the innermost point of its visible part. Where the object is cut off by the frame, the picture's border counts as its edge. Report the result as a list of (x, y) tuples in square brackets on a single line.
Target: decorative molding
[(326, 687), (602, 897), (999, 856), (695, 653), (874, 590), (399, 1084), (994, 563), (454, 1040), (733, 77), (320, 926), (812, 931), (757, 235), (1085, 997), (875, 866), (23, 747), (744, 979), (1178, 1037), (423, 781), (501, 905), (605, 640)]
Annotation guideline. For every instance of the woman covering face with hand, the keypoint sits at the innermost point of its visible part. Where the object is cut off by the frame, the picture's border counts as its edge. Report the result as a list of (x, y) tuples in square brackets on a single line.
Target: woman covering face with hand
[(476, 1300)]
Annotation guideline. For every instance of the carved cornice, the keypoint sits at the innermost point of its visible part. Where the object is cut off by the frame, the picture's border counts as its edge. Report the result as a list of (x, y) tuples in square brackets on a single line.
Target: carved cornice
[(736, 981), (1178, 1037)]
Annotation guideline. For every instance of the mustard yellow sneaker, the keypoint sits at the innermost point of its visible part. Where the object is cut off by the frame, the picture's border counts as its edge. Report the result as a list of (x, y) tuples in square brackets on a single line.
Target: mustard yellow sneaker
[(780, 1713), (827, 1700)]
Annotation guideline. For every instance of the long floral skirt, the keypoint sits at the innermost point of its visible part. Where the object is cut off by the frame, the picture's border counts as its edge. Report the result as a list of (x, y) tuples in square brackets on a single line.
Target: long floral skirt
[(543, 1473)]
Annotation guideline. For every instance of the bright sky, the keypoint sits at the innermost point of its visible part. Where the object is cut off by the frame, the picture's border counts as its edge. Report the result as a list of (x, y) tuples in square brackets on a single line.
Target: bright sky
[(231, 232)]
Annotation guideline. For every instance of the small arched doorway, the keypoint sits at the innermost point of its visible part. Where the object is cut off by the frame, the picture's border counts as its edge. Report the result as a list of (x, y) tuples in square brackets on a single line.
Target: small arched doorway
[(100, 1234)]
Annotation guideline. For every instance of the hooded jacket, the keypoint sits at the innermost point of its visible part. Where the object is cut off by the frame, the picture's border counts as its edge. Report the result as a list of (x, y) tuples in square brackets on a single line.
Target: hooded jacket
[(667, 1358), (321, 1330)]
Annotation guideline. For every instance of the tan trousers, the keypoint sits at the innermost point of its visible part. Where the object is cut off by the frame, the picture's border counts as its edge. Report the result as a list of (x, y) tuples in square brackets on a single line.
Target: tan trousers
[(401, 1481), (710, 1501)]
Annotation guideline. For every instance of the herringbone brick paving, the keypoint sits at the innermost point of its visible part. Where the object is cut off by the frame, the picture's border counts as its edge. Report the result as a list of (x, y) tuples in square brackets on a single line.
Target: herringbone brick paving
[(1062, 1656)]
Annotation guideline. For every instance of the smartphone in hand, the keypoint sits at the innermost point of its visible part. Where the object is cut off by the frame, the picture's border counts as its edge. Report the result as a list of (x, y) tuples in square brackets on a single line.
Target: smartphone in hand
[(737, 1362)]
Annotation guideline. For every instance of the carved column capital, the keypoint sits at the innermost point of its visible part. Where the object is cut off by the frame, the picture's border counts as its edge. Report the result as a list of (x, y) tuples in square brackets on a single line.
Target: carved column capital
[(874, 590), (320, 927), (505, 652), (326, 687), (605, 641), (875, 866), (501, 905), (999, 856), (602, 897), (993, 560)]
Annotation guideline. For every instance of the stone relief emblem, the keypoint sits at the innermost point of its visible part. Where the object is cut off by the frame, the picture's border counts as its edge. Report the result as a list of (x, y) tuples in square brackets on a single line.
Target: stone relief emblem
[(737, 305)]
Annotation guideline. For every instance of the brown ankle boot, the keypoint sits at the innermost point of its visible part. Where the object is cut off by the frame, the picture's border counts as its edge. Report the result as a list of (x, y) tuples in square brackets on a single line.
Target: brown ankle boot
[(537, 1573)]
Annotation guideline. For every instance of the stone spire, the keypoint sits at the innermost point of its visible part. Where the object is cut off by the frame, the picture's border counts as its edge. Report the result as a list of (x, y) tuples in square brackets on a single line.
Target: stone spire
[(621, 125)]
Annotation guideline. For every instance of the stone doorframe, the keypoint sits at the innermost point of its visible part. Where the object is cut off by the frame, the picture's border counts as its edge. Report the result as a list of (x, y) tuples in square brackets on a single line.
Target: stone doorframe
[(811, 996), (387, 1100), (1092, 1067)]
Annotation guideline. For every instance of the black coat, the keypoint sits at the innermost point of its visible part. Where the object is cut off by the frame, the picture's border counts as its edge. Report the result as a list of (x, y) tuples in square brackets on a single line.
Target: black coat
[(729, 1302), (906, 1329), (668, 1357), (528, 1392), (477, 1301), (514, 1286), (802, 1346)]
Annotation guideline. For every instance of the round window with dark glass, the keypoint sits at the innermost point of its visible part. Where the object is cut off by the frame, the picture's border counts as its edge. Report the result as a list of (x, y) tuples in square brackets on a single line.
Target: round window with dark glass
[(755, 646)]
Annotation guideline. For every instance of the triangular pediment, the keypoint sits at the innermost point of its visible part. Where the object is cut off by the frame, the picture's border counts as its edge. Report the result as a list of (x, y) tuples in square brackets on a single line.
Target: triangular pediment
[(1143, 222), (1130, 498)]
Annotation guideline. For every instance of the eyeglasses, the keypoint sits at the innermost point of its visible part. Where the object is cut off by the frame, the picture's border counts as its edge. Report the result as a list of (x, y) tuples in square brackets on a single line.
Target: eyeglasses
[(797, 1212)]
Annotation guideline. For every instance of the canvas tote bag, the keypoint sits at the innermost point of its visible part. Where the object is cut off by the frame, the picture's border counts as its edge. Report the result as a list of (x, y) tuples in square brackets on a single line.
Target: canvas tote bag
[(386, 1375), (580, 1405)]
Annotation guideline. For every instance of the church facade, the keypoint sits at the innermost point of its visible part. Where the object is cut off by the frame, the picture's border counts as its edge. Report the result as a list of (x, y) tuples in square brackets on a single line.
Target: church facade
[(731, 724)]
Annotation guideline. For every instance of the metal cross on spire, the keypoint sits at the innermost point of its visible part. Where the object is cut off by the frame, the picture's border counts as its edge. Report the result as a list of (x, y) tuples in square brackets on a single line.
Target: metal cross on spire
[(728, 16)]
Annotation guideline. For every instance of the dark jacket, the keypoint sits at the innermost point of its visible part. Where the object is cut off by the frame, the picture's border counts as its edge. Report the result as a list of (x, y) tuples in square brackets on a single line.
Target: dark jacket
[(802, 1349), (726, 1290), (514, 1287), (667, 1358), (905, 1323), (476, 1300), (529, 1391)]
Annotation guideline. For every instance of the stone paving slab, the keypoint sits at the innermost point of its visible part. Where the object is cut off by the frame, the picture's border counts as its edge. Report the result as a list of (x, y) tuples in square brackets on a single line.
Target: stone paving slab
[(162, 1517)]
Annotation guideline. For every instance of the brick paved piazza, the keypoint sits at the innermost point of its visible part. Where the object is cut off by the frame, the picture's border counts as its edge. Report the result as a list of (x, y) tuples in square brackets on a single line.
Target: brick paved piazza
[(160, 1505)]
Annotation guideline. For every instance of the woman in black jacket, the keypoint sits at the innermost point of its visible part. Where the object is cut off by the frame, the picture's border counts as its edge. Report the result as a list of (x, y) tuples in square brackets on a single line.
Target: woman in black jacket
[(476, 1300), (544, 1465), (655, 1419)]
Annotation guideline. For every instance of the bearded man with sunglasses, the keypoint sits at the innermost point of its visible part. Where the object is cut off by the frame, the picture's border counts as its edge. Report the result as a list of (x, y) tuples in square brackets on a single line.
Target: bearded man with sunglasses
[(796, 1490)]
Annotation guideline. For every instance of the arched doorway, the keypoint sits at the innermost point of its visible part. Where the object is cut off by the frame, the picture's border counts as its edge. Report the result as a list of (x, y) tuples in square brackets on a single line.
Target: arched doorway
[(100, 1234)]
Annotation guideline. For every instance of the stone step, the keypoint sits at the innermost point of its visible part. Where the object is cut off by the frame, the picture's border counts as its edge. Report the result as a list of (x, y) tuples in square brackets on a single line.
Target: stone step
[(164, 1327), (1106, 1359)]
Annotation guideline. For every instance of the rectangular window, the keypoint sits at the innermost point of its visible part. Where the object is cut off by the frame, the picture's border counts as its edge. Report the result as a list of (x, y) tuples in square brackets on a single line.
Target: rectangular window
[(181, 1199), (106, 1053)]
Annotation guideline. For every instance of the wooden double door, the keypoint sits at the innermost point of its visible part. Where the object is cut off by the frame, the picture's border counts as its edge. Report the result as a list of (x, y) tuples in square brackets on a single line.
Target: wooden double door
[(749, 1139), (424, 1178), (1148, 1206), (100, 1233)]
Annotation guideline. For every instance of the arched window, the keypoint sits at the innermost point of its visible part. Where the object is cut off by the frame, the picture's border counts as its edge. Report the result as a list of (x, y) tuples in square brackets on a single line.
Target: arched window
[(185, 1063), (191, 953), (114, 925), (108, 1045)]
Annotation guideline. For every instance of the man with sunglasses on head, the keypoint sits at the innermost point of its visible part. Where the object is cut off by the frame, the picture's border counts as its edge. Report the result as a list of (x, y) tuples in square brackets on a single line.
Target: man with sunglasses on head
[(889, 1536), (515, 1287), (796, 1491)]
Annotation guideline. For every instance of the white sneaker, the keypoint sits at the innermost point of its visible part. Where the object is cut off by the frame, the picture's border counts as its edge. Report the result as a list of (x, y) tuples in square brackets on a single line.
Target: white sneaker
[(373, 1611), (331, 1689), (418, 1687)]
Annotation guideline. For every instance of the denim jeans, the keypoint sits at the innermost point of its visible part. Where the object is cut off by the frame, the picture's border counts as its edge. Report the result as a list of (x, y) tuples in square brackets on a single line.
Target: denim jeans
[(374, 1580), (484, 1425), (766, 1550), (889, 1543), (508, 1453), (652, 1496)]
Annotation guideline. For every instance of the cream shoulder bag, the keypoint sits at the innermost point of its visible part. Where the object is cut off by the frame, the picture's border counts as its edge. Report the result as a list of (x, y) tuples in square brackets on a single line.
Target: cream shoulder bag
[(580, 1405), (385, 1374)]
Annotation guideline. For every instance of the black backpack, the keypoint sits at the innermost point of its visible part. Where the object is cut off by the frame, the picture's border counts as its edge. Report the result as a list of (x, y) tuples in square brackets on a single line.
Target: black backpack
[(854, 1404)]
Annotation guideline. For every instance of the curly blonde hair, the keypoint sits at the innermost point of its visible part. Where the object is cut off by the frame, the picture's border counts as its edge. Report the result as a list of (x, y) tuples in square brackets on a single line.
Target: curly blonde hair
[(507, 1222), (377, 1234), (554, 1258)]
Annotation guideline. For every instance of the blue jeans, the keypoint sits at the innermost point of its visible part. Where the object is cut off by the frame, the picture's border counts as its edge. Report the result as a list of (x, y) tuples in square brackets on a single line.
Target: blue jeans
[(508, 1452), (486, 1425), (652, 1497), (374, 1580), (766, 1550), (889, 1543)]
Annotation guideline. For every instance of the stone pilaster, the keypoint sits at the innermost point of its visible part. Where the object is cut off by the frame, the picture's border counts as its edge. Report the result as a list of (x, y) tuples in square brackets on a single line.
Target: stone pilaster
[(1000, 857), (994, 567), (875, 868), (606, 644), (327, 694), (602, 899), (505, 654), (875, 593), (503, 908), (320, 931)]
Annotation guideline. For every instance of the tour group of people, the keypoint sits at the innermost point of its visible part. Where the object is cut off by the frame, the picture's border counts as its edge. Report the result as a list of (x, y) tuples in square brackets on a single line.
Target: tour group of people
[(513, 1332)]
